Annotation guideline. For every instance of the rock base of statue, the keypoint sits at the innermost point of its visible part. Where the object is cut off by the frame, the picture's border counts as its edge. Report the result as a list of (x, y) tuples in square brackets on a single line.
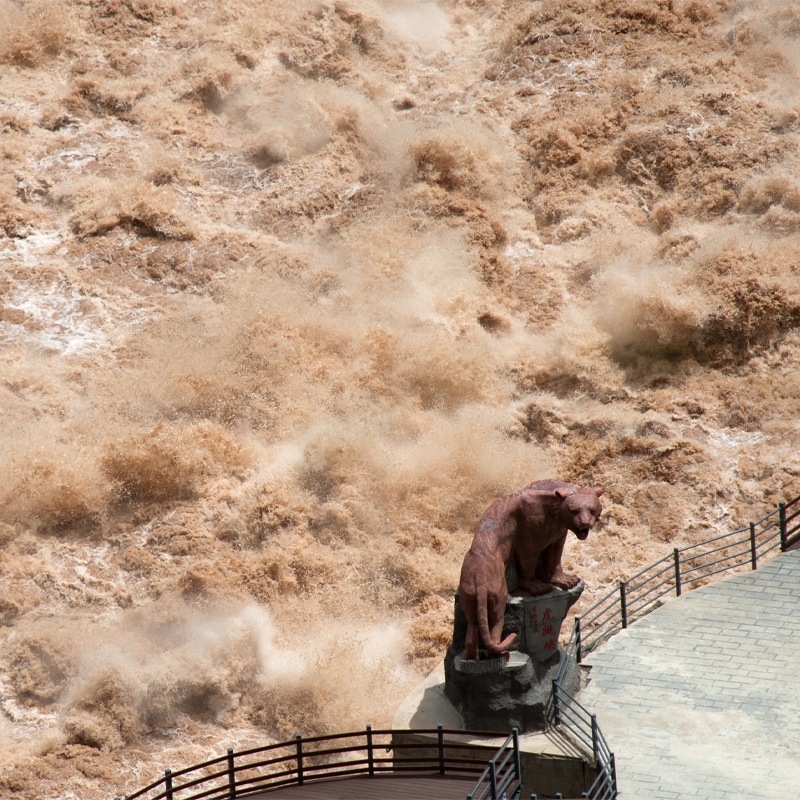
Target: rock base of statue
[(495, 694)]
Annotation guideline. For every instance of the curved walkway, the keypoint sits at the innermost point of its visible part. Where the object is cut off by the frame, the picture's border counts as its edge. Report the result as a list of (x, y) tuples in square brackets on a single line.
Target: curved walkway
[(701, 698)]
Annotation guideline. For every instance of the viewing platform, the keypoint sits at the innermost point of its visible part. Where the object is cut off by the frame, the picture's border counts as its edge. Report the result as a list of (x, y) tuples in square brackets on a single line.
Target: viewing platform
[(700, 699)]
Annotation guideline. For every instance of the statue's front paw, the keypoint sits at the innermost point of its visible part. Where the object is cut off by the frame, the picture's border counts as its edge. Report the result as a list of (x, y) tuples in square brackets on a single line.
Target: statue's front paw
[(566, 582)]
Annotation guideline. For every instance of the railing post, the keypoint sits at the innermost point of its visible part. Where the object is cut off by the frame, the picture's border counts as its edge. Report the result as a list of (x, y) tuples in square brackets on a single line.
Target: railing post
[(168, 783), (493, 779), (440, 734), (677, 556), (594, 736), (753, 553), (556, 718), (370, 760), (299, 739), (231, 775), (623, 604), (578, 653), (782, 517), (517, 765)]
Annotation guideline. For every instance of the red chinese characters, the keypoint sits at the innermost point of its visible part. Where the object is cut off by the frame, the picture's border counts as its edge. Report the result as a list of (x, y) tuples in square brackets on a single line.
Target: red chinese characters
[(550, 644)]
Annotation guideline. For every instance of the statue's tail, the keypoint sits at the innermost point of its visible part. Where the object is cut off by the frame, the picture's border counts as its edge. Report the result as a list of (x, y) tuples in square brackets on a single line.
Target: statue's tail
[(493, 648)]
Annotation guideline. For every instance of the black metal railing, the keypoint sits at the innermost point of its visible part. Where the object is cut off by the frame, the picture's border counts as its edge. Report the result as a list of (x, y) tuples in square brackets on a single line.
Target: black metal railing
[(569, 713), (501, 778), (640, 593), (305, 760), (683, 567)]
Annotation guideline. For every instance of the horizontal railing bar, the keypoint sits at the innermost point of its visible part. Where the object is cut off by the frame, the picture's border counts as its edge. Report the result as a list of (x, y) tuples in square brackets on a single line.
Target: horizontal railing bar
[(352, 734), (506, 781), (576, 712), (261, 764), (602, 777), (578, 732), (146, 789), (504, 762), (632, 599), (576, 709), (768, 539), (635, 610), (599, 632), (201, 779), (435, 747), (792, 530), (454, 763), (180, 772), (603, 752), (282, 774), (571, 648), (609, 792), (629, 590), (791, 502), (602, 600), (565, 667), (714, 539), (654, 564), (770, 549), (715, 572), (569, 715), (602, 739), (610, 607), (759, 521), (716, 550), (416, 768), (574, 702), (362, 771), (483, 777), (718, 561), (319, 767), (792, 516), (614, 607)]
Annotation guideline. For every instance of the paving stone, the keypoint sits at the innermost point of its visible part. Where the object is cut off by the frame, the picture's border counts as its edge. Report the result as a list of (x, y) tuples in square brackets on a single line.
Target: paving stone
[(710, 710)]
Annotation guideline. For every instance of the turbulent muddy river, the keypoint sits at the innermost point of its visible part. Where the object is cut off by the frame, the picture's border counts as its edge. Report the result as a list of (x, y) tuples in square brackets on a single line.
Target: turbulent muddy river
[(290, 291)]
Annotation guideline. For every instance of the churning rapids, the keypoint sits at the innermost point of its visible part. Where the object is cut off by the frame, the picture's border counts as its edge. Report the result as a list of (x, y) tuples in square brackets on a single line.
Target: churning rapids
[(290, 291)]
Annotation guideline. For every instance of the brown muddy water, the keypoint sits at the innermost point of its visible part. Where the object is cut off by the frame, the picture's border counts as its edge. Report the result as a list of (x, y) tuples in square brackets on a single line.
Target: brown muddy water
[(291, 291)]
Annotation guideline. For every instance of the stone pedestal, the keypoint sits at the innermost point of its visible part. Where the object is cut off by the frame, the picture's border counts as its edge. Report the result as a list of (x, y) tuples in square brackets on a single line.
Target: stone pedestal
[(497, 695)]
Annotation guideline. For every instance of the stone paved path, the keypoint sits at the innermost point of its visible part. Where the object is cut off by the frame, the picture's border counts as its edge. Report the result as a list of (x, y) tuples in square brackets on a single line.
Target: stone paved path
[(701, 698)]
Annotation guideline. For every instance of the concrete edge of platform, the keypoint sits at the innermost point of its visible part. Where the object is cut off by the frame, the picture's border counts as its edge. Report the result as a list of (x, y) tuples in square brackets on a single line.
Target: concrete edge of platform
[(550, 762)]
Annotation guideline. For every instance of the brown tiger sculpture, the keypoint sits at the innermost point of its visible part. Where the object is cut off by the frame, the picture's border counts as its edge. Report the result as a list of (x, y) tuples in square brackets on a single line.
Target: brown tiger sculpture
[(530, 526)]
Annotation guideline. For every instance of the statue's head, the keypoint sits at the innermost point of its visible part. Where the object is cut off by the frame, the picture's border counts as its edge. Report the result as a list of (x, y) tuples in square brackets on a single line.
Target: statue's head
[(580, 509)]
